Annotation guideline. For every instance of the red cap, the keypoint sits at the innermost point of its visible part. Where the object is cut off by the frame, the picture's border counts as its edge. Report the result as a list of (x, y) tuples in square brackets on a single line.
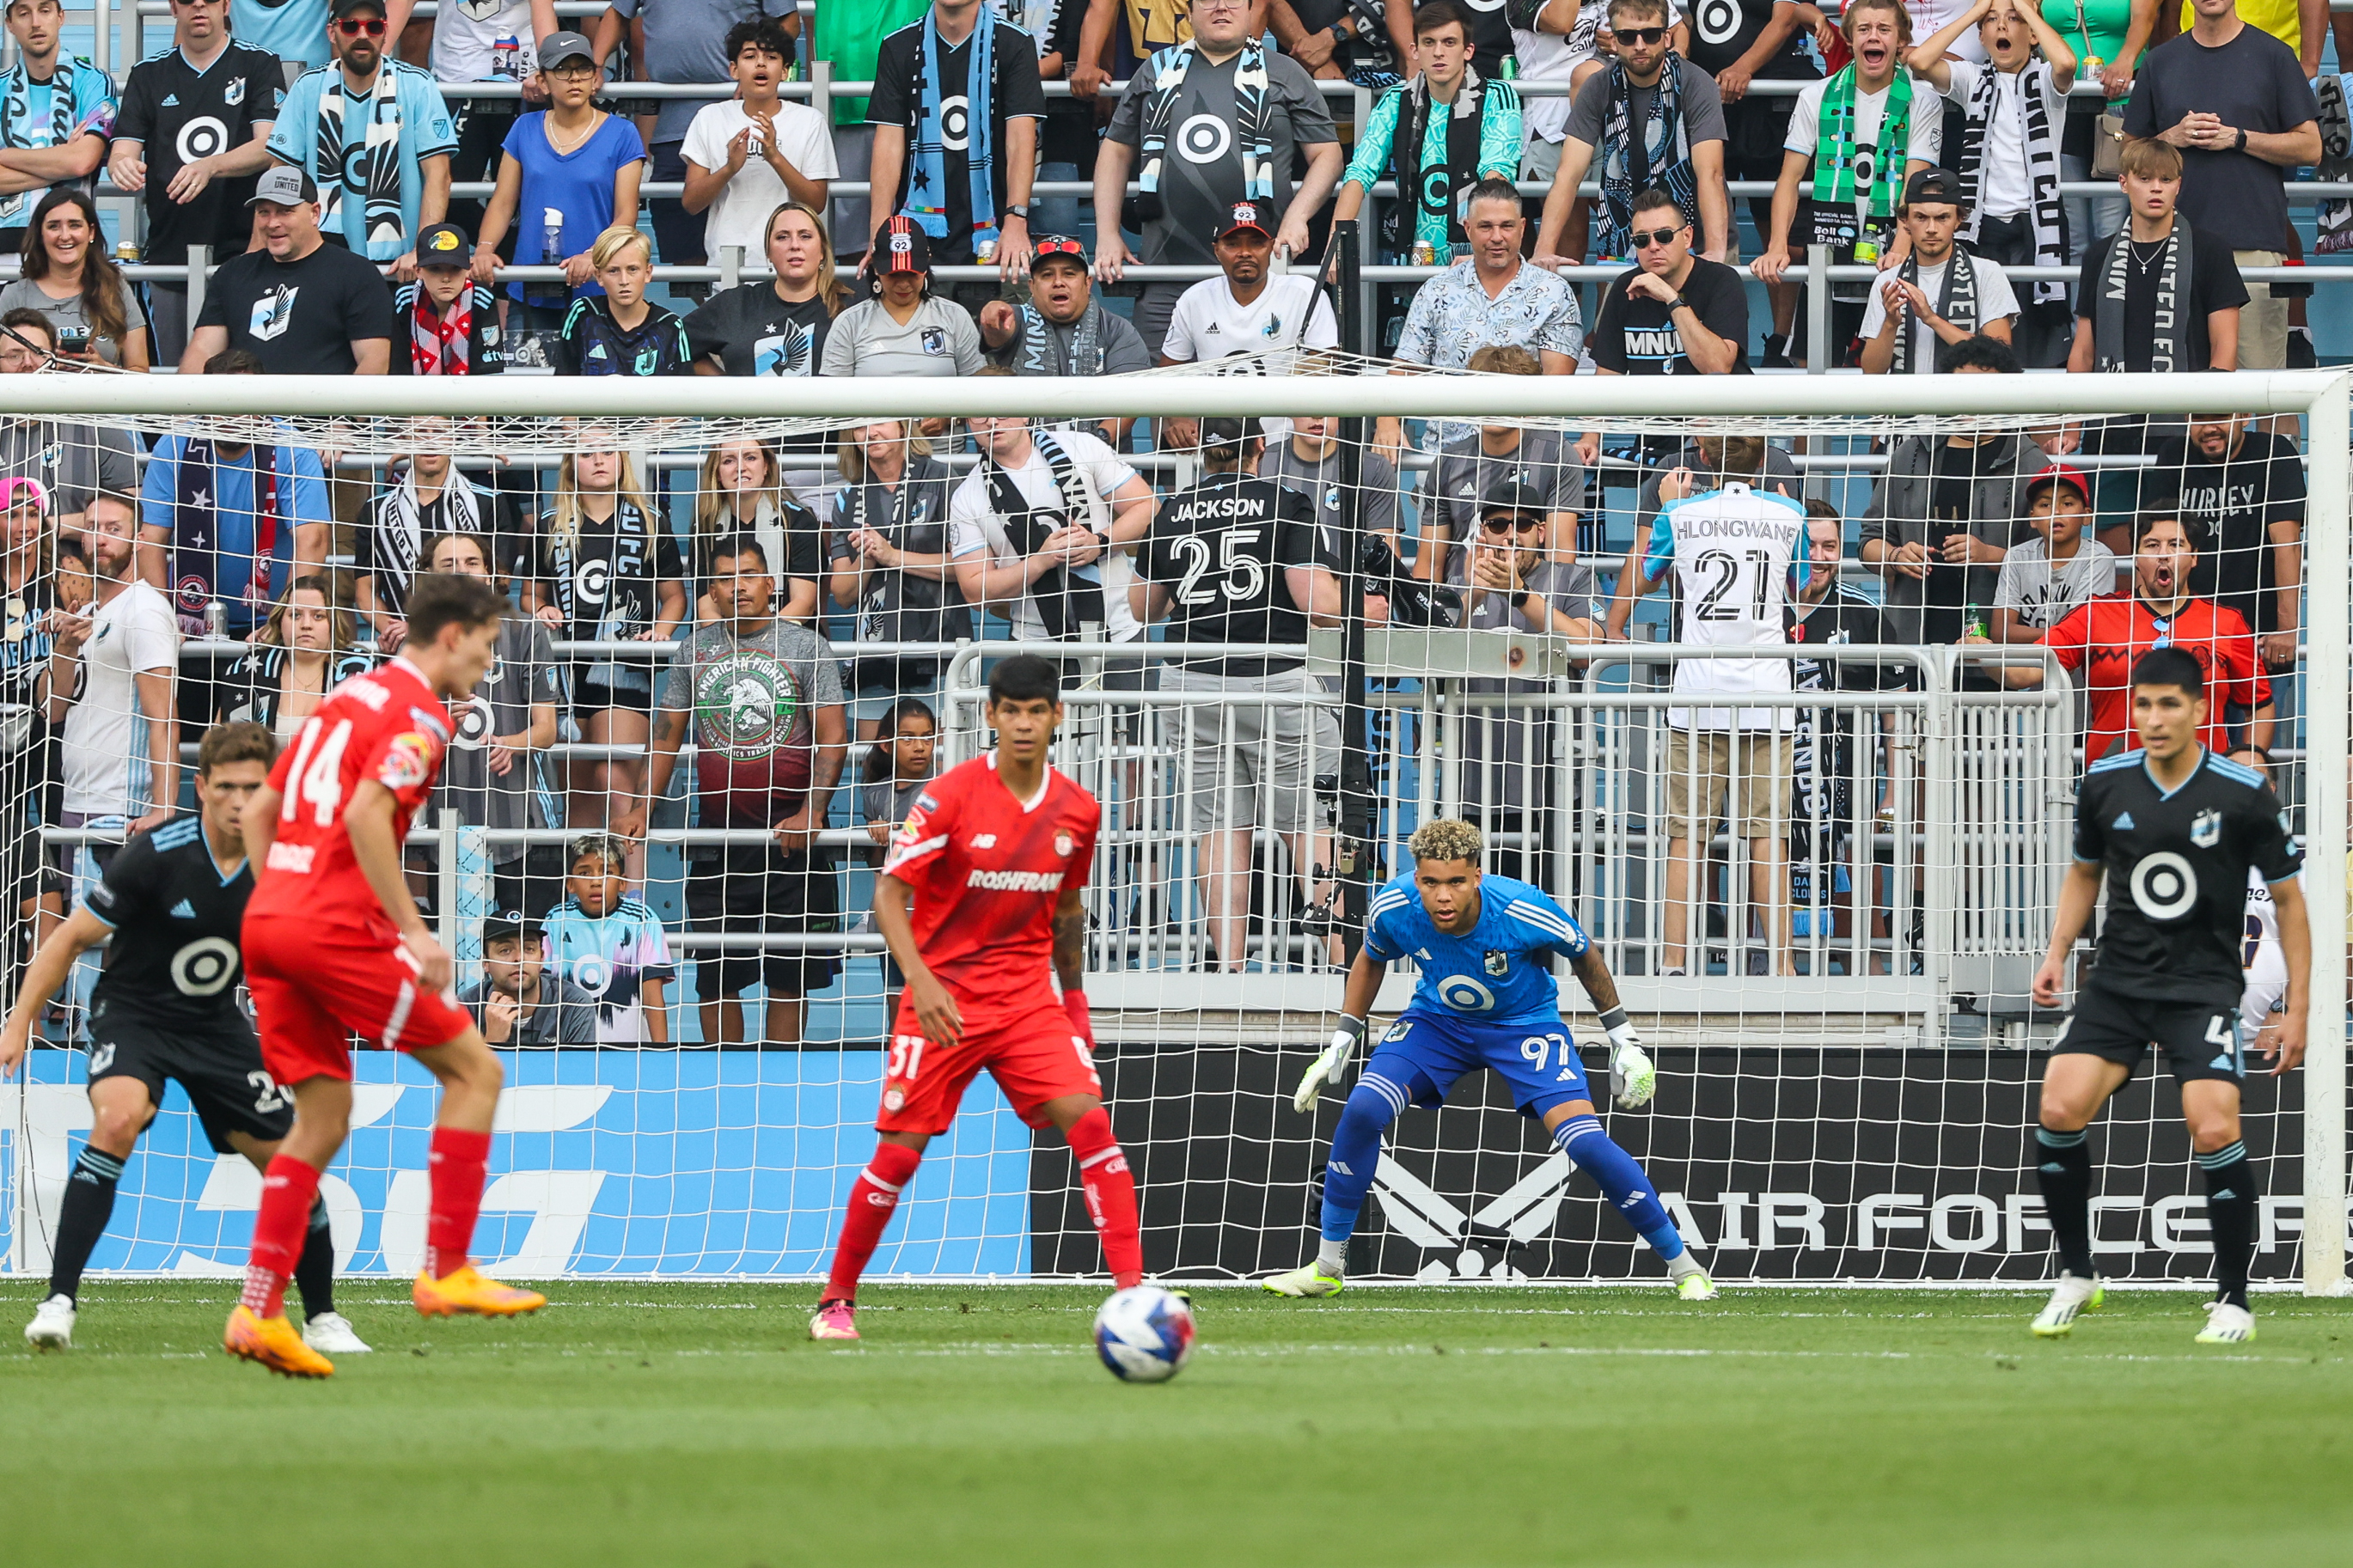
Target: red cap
[(2061, 474)]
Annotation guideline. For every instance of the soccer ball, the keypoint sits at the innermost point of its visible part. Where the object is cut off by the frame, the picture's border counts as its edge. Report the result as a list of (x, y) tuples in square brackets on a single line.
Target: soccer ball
[(1145, 1334)]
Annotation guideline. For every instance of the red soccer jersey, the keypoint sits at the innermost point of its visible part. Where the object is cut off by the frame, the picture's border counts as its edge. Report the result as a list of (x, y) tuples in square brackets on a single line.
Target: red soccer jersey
[(2110, 632), (386, 725), (987, 870)]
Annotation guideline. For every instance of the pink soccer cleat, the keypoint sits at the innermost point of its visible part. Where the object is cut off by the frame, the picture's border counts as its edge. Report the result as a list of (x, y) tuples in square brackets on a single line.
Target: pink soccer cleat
[(834, 1321)]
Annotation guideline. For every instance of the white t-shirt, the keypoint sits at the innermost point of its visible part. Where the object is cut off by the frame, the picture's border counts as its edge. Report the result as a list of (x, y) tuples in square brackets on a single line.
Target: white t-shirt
[(1209, 323), (2002, 187), (1995, 301), (103, 742), (975, 527), (484, 40), (1870, 108), (2043, 594), (1737, 554), (743, 203), (2266, 969)]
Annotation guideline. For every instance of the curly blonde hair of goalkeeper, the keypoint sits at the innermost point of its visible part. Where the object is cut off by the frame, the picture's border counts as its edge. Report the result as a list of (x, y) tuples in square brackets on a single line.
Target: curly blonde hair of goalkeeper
[(1446, 839)]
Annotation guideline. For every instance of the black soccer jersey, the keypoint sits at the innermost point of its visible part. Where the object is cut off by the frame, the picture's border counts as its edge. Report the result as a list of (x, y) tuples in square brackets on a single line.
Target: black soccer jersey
[(182, 114), (2177, 871), (1222, 548), (176, 921)]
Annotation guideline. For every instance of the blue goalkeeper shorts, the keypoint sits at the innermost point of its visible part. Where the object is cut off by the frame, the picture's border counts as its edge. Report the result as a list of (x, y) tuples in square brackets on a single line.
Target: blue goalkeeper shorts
[(1428, 1051)]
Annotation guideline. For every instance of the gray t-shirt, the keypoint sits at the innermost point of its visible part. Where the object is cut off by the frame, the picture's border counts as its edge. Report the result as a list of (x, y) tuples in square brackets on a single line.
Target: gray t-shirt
[(69, 461), (751, 702), (523, 673), (1119, 349), (2043, 593), (1568, 587), (67, 314), (1201, 177), (1589, 118), (565, 1013), (685, 42), (939, 339), (885, 801), (1319, 483), (1466, 471)]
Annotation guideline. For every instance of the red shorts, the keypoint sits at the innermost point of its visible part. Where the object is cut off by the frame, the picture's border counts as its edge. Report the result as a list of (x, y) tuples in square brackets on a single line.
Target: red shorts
[(315, 987), (1032, 1055)]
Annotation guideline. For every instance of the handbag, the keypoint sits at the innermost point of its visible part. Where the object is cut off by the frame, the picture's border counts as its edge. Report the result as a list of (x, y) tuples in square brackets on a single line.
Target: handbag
[(2108, 131)]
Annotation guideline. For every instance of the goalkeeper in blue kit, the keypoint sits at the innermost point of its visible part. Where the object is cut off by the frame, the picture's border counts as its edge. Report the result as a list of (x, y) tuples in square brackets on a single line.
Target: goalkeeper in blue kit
[(1485, 997)]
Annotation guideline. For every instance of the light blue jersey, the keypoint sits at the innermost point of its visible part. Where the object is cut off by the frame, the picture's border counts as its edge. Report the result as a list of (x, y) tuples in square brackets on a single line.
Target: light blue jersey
[(1496, 972), (77, 100)]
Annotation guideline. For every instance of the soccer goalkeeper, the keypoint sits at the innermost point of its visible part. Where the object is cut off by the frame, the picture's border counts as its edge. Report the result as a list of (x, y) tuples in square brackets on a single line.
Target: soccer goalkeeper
[(1485, 998)]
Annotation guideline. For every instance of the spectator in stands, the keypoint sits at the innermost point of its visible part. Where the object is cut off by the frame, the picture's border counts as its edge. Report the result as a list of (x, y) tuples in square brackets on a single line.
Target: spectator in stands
[(493, 775), (1543, 462), (293, 31), (69, 459), (1217, 123), (851, 37), (388, 543), (741, 491), (308, 646), (619, 332), (2044, 578), (1710, 460), (1066, 137), (2235, 102), (210, 131), (56, 113), (1940, 293), (93, 312), (2109, 38), (1744, 42), (571, 172), (683, 42), (34, 597), (519, 1001), (445, 323), (2013, 111), (1838, 136), (1116, 40), (1558, 43), (110, 688), (605, 570), (906, 330), (373, 134), (902, 760), (1673, 313), (2242, 496), (1341, 40), (763, 697), (775, 328), (1658, 125), (612, 945), (1442, 129), (889, 558), (1946, 513), (955, 112), (1308, 461), (746, 154), (299, 305), (1247, 310), (230, 524), (480, 41), (1489, 29), (1063, 330)]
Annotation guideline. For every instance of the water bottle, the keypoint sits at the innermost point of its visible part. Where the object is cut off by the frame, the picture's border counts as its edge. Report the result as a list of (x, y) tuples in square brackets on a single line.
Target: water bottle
[(502, 57), (551, 237), (1973, 622)]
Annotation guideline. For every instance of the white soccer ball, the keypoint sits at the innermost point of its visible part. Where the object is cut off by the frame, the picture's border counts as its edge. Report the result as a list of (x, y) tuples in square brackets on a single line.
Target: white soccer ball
[(1145, 1334)]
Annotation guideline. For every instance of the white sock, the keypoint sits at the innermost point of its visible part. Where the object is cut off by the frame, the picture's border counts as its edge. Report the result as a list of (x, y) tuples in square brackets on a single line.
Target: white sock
[(1332, 1258), (1683, 1265)]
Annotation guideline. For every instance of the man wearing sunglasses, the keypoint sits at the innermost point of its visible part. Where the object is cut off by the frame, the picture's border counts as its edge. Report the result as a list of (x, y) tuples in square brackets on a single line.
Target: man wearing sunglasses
[(1063, 330), (373, 134)]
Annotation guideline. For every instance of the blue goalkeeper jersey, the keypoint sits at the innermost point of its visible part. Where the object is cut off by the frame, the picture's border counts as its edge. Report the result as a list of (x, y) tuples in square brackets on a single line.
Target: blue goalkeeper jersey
[(1496, 971)]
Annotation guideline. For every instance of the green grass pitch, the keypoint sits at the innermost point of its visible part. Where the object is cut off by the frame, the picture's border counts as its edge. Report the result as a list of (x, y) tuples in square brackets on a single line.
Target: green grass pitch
[(633, 1424)]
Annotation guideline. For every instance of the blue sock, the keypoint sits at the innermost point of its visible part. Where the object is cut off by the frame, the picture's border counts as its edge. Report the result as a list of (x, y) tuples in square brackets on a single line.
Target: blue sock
[(1581, 1138), (1372, 1105)]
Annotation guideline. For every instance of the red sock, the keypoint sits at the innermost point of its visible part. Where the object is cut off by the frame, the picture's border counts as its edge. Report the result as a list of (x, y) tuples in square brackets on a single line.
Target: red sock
[(872, 1198), (279, 1231), (460, 1160), (1111, 1196)]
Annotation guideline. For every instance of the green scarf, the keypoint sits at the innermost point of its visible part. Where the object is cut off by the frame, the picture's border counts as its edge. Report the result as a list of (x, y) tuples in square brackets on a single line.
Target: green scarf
[(1834, 150)]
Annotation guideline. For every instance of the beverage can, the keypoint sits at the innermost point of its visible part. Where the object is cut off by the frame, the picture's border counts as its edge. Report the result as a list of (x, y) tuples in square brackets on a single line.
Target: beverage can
[(127, 251), (984, 251), (1424, 254), (215, 619)]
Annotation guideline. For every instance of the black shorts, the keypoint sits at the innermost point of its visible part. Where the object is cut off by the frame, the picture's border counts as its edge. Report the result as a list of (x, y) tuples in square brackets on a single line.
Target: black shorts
[(218, 1063), (2200, 1039), (604, 683), (755, 890)]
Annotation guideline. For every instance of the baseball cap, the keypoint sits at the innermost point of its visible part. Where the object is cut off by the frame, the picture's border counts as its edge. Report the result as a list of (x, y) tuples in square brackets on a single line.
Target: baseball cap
[(1242, 216), (512, 926), (342, 8), (284, 187), (905, 246), (1514, 493), (2060, 474), (1061, 244), (443, 244), (1228, 430), (557, 47), (1935, 185)]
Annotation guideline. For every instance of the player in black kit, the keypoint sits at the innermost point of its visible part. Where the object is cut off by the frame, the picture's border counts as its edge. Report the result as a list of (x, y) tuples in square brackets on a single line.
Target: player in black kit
[(165, 1006), (2175, 829)]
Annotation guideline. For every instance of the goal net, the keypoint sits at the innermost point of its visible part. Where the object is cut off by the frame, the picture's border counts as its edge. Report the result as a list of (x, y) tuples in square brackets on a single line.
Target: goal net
[(750, 619)]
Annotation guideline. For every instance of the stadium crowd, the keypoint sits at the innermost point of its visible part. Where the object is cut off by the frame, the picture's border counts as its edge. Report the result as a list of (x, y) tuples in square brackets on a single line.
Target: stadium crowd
[(314, 148)]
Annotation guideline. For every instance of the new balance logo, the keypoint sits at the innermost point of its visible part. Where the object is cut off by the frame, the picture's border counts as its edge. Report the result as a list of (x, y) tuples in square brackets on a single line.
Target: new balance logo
[(2122, 823), (983, 841), (184, 911)]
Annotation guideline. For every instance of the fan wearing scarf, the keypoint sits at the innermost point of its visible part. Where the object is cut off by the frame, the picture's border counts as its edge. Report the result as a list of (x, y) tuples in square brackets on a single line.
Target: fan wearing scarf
[(1939, 293), (1063, 330), (388, 544), (1655, 120), (451, 322), (1443, 129), (374, 135), (955, 112), (2016, 107), (56, 115)]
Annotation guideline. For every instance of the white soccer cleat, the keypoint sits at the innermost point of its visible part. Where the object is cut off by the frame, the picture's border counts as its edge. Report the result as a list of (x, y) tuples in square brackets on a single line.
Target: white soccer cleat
[(52, 1326), (1632, 1077), (331, 1333), (2073, 1294), (1696, 1286), (2227, 1325), (1306, 1283)]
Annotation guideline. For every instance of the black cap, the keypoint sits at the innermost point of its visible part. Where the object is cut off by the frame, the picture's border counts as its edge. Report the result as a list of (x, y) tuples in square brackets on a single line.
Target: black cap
[(557, 47), (1244, 215), (511, 926), (1514, 493), (283, 185), (1228, 430), (340, 9), (905, 245), (1935, 185), (443, 244)]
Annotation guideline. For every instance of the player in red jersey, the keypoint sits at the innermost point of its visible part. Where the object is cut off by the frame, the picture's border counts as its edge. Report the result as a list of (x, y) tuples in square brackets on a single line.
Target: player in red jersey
[(979, 893), (334, 946), (2100, 641)]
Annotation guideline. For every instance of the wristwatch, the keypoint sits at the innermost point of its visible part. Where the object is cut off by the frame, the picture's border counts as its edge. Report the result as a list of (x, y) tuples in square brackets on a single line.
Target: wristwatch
[(1677, 303), (2241, 144), (1018, 209), (1342, 33)]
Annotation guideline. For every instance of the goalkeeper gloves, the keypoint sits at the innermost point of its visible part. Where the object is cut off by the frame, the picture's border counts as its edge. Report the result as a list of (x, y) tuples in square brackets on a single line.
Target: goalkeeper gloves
[(1330, 1063), (1633, 1079)]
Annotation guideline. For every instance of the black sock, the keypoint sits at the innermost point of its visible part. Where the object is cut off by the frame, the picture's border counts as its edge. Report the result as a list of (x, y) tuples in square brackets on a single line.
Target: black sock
[(314, 1271), (2232, 1190), (81, 1218), (2064, 1164)]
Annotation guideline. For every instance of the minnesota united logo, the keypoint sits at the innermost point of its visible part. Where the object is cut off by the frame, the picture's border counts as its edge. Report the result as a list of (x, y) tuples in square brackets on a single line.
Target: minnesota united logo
[(1498, 964), (2206, 829)]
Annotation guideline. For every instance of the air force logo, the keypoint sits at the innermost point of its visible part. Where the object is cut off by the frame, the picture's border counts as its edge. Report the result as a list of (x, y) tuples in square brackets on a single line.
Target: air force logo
[(2206, 829)]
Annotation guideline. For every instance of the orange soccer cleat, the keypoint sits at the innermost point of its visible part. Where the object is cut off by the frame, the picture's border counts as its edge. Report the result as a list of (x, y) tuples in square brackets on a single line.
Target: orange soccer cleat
[(275, 1343), (466, 1291)]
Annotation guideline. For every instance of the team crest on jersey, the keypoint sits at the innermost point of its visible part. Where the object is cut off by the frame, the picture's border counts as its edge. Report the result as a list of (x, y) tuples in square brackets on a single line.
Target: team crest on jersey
[(235, 92), (407, 761), (2206, 829), (1498, 964), (1064, 844), (1397, 1031)]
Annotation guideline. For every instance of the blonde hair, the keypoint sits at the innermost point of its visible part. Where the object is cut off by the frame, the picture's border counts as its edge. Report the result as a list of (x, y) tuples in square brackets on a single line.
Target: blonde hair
[(849, 456), (829, 291), (563, 509), (615, 240), (1505, 358), (1903, 19), (714, 513), (2146, 158), (1446, 839), (342, 626)]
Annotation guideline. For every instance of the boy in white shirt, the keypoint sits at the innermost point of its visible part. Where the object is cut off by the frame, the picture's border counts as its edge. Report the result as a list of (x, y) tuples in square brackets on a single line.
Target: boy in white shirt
[(747, 156), (2051, 574)]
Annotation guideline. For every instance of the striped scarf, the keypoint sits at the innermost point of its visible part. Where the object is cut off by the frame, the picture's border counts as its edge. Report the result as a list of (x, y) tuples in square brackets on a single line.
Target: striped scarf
[(368, 172)]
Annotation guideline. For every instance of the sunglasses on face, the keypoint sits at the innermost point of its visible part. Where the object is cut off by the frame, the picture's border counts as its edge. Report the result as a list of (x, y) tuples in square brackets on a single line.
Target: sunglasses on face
[(1645, 36), (1642, 238), (361, 27), (1511, 524)]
